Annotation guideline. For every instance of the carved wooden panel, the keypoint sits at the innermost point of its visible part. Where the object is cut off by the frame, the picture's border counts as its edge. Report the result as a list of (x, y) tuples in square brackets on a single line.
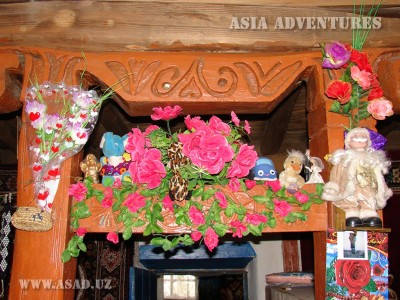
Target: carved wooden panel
[(103, 219)]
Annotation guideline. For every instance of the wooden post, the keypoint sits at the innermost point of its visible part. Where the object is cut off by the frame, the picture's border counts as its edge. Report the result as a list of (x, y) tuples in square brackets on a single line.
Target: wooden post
[(37, 255)]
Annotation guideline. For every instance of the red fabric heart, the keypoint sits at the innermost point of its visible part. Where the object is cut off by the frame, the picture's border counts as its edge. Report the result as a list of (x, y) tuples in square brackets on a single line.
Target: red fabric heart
[(54, 172), (34, 116), (83, 116), (81, 135), (38, 140), (43, 196), (59, 125), (49, 205), (37, 168), (54, 149)]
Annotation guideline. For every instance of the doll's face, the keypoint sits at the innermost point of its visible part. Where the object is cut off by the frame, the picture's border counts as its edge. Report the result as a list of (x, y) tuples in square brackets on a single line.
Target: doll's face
[(358, 141)]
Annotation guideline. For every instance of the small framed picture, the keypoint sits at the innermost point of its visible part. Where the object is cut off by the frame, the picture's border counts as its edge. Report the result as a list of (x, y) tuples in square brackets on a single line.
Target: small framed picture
[(352, 245)]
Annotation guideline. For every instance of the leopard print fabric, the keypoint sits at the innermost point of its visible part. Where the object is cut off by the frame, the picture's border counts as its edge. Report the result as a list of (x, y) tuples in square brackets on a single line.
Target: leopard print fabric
[(178, 186)]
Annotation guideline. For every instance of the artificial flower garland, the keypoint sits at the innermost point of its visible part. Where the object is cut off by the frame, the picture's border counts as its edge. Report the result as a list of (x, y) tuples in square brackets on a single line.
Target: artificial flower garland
[(211, 154)]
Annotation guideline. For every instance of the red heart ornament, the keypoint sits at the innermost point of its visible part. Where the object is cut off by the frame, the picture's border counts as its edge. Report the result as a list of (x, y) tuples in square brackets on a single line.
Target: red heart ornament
[(54, 172), (37, 168), (38, 140), (43, 196), (34, 116), (54, 149)]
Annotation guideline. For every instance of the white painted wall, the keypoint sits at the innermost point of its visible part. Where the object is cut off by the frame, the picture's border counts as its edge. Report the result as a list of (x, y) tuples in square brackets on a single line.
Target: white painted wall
[(269, 260)]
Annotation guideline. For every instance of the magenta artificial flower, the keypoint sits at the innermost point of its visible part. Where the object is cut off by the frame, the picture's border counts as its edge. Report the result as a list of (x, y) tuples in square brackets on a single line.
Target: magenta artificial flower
[(223, 203), (250, 183), (282, 207), (239, 228), (196, 235), (362, 77), (235, 119), (234, 184), (108, 192), (336, 55), (275, 185), (216, 125), (106, 202), (166, 113), (247, 127), (81, 231), (113, 237), (151, 170), (196, 216), (168, 203), (149, 130), (78, 190), (135, 144), (302, 198), (206, 149), (255, 219), (211, 239), (194, 123), (117, 183), (380, 108), (244, 161), (134, 202)]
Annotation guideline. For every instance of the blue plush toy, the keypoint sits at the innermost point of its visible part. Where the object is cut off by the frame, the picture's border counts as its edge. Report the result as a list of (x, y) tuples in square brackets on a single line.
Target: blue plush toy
[(264, 170), (115, 162)]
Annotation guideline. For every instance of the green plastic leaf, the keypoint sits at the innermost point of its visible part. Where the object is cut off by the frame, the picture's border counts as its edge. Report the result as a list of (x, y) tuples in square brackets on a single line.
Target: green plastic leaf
[(335, 107), (208, 194), (254, 230), (220, 229), (167, 245), (108, 181), (65, 256), (127, 233), (157, 241), (260, 199), (82, 247)]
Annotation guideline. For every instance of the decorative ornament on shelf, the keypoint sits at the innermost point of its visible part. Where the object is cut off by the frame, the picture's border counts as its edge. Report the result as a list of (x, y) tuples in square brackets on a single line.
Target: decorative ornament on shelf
[(189, 177), (290, 177), (60, 119), (357, 93)]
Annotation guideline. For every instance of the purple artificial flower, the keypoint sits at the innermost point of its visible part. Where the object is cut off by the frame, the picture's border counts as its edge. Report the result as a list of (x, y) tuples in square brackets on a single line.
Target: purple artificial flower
[(336, 55)]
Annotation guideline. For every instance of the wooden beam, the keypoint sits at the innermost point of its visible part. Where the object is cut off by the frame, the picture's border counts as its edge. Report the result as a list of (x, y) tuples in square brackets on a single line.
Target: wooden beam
[(185, 25)]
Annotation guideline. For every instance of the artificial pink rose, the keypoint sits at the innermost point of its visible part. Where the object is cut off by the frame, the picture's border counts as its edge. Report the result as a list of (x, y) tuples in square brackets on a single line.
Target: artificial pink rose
[(81, 231), (247, 127), (302, 198), (234, 184), (149, 130), (166, 113), (282, 207), (193, 123), (250, 183), (113, 237), (380, 108), (211, 239), (151, 170), (106, 202), (362, 77), (255, 219), (196, 216), (235, 119), (196, 235), (135, 144), (168, 203), (133, 170), (206, 149), (117, 183), (216, 125), (239, 228), (108, 193), (223, 203), (275, 185), (134, 202), (244, 161), (78, 191)]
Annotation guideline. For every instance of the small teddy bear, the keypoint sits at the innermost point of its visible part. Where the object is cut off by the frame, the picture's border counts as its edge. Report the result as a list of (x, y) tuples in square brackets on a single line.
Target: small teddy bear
[(91, 167)]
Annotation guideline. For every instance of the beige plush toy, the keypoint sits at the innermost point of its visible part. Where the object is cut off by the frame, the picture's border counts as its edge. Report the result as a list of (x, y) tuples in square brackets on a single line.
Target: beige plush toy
[(357, 184), (91, 167), (290, 177)]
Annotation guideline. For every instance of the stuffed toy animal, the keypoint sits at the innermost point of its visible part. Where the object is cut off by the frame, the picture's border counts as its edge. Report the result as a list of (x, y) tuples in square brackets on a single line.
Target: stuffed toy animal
[(264, 170), (290, 177), (115, 162), (357, 184)]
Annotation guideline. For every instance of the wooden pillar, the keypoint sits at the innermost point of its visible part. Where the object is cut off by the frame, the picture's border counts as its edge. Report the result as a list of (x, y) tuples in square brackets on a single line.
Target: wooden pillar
[(37, 255)]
